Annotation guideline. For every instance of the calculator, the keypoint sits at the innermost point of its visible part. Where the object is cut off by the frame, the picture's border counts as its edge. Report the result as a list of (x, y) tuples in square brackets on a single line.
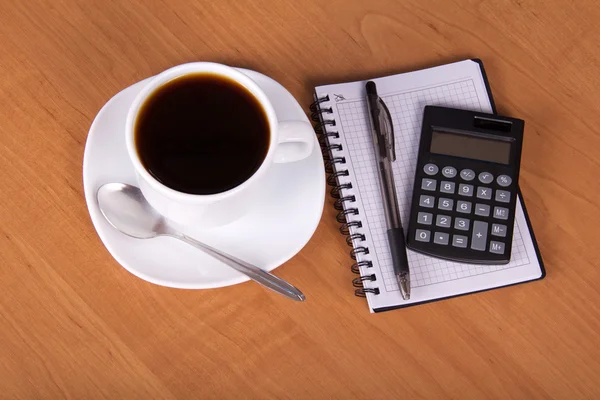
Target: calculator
[(465, 188)]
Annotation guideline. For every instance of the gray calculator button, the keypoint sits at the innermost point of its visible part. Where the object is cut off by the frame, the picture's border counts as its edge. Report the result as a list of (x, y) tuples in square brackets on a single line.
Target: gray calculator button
[(504, 180), (443, 221), (447, 187), (499, 230), (441, 238), (479, 236), (445, 204), (463, 207), (424, 218), (467, 174), (431, 169), (502, 196), (486, 177), (428, 184), (459, 241), (496, 247), (427, 201), (482, 210), (484, 193), (422, 235), (462, 224), (500, 212), (449, 172), (465, 190)]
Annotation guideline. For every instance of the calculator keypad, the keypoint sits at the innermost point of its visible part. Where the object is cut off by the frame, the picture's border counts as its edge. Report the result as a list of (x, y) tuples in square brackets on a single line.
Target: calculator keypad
[(449, 172), (425, 218), (465, 190), (445, 204), (501, 213), (503, 196), (464, 209), (467, 174), (479, 235), (431, 169), (443, 221), (486, 177), (423, 235), (427, 201), (462, 224), (483, 210), (485, 193), (428, 184), (441, 238), (459, 241), (447, 187), (496, 247), (504, 180), (499, 230)]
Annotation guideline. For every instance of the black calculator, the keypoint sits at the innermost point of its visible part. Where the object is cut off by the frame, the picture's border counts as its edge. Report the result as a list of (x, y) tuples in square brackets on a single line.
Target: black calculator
[(465, 189)]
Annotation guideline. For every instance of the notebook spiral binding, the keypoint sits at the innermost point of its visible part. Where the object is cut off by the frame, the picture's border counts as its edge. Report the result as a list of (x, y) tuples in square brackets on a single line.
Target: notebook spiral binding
[(325, 129)]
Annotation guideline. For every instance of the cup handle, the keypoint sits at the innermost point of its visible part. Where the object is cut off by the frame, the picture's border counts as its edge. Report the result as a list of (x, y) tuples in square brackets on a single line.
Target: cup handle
[(296, 141)]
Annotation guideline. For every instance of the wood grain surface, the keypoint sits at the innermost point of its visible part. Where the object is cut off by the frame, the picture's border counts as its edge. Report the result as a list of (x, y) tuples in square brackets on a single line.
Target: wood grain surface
[(74, 324)]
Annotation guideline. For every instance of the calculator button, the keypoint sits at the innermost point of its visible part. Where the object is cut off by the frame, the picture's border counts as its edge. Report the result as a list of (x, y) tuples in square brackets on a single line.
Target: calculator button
[(486, 177), (465, 190), (441, 238), (445, 204), (500, 212), (502, 196), (499, 230), (484, 193), (443, 221), (447, 187), (449, 172), (431, 169), (496, 247), (479, 236), (467, 174), (422, 235), (426, 201), (462, 224), (424, 218), (428, 184), (463, 207), (482, 210), (504, 180), (459, 241)]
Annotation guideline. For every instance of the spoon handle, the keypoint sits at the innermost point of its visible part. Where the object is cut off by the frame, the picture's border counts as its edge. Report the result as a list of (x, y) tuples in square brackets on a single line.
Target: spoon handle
[(264, 278)]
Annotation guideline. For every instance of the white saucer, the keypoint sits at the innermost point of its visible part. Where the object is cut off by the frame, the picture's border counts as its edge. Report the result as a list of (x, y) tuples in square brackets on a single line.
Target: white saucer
[(267, 237)]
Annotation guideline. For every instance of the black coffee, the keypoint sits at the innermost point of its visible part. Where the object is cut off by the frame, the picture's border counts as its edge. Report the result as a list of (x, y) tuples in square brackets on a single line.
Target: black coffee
[(202, 134)]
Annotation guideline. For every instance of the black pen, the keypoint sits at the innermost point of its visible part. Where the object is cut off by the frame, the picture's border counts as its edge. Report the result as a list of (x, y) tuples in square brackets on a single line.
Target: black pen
[(383, 140)]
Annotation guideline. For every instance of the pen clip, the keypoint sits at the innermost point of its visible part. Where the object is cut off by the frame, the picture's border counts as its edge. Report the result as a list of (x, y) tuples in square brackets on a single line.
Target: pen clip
[(385, 121)]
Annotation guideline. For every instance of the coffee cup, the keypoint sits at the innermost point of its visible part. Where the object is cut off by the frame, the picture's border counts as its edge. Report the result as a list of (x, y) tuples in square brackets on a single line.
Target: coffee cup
[(179, 151)]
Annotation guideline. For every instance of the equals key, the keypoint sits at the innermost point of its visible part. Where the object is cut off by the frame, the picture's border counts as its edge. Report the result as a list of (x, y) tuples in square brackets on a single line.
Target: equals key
[(459, 241)]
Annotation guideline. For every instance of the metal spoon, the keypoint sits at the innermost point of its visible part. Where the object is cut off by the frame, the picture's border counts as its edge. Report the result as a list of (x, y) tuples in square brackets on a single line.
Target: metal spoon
[(126, 209)]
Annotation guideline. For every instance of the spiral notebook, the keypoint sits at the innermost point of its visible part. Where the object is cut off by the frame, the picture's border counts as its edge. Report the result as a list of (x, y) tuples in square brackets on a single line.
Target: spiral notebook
[(345, 134)]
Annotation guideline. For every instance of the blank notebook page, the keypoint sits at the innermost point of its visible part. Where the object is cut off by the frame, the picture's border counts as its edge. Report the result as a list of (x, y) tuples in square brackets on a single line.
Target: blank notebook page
[(457, 85)]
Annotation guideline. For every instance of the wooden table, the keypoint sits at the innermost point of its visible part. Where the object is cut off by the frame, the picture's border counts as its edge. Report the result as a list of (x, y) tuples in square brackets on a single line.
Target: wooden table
[(74, 324)]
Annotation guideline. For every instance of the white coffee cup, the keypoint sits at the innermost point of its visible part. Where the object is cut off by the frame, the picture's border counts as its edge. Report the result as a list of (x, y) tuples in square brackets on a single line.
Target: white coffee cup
[(289, 141)]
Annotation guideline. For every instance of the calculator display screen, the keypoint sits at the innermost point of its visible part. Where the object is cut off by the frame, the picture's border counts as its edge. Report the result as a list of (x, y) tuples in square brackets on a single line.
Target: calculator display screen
[(467, 146)]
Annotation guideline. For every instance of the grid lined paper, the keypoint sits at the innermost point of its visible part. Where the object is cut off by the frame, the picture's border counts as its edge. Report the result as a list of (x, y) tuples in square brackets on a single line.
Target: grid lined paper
[(406, 109)]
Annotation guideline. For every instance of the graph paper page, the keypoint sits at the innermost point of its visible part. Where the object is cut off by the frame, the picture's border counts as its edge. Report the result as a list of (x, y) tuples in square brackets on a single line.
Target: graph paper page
[(458, 85)]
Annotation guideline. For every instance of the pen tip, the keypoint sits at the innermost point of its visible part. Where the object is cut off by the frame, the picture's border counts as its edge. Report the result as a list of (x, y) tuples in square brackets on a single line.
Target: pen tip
[(404, 283)]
